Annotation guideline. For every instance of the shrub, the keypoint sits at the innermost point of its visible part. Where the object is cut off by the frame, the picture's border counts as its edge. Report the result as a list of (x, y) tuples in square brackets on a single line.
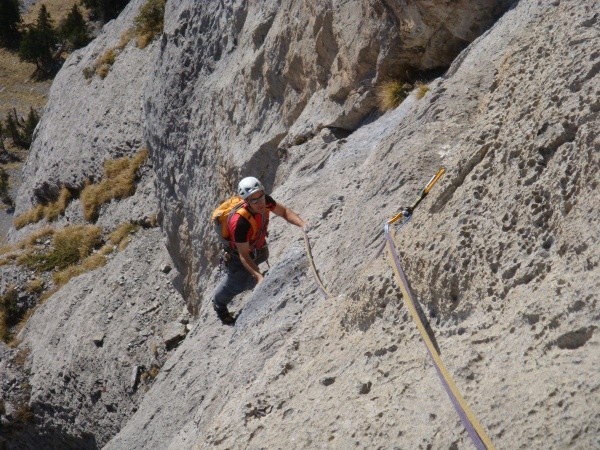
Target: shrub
[(23, 413), (70, 245), (391, 93), (118, 183), (12, 129), (149, 21)]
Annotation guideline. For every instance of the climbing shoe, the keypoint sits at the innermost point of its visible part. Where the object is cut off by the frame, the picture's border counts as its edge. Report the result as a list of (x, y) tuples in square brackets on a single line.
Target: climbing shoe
[(225, 316)]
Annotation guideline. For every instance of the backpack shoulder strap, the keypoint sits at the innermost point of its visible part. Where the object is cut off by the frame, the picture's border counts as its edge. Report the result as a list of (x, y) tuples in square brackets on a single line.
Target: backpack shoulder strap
[(250, 218)]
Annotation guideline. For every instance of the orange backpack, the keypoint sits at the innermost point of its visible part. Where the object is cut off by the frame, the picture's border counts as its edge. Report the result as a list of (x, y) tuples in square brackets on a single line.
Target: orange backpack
[(225, 211)]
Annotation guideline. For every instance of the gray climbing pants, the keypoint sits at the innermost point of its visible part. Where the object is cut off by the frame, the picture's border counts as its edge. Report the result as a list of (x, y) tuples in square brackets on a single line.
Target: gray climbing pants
[(237, 279)]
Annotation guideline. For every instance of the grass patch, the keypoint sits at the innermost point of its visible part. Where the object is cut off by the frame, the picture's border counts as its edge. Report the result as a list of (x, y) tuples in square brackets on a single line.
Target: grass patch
[(122, 235), (391, 93), (50, 212), (422, 90), (118, 183), (149, 22), (105, 62), (90, 263), (70, 245), (35, 286)]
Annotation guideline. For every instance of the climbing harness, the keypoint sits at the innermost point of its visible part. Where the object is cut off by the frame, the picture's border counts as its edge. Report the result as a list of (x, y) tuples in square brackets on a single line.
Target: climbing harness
[(470, 422)]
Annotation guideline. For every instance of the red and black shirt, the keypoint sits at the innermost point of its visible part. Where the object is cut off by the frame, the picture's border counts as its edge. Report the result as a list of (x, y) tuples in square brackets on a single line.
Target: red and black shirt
[(241, 230)]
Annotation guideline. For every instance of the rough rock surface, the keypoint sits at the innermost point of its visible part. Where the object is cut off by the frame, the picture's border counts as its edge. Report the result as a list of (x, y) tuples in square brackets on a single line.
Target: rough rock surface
[(87, 120), (90, 344), (502, 259), (502, 256), (237, 83)]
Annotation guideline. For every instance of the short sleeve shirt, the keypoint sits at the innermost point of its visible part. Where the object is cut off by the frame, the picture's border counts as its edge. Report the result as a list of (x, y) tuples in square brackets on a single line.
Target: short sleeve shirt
[(240, 227)]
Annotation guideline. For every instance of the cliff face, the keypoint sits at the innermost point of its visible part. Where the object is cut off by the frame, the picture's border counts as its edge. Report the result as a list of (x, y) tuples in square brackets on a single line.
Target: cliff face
[(502, 255), (237, 85)]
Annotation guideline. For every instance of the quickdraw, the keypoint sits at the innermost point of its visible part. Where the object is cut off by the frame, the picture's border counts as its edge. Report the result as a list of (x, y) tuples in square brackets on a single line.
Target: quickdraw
[(476, 432), (468, 419)]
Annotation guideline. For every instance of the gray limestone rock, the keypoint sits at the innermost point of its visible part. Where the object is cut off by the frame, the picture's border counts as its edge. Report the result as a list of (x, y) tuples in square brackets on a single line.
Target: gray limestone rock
[(502, 256)]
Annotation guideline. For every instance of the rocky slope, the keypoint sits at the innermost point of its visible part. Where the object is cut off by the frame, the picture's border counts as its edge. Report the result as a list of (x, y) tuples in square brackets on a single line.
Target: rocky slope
[(502, 256)]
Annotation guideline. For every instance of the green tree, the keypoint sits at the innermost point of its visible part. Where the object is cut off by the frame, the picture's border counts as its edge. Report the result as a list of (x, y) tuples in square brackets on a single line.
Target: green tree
[(39, 43), (74, 29), (12, 129), (29, 127), (5, 188), (10, 18), (105, 10)]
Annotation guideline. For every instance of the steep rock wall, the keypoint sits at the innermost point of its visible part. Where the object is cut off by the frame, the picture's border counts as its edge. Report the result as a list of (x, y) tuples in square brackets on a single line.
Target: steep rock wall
[(502, 257), (87, 119), (237, 83)]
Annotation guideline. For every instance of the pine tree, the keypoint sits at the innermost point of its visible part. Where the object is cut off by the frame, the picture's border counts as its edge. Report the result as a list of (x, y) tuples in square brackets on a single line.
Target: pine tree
[(12, 129), (29, 127), (10, 18), (39, 43), (2, 148), (74, 29), (105, 10)]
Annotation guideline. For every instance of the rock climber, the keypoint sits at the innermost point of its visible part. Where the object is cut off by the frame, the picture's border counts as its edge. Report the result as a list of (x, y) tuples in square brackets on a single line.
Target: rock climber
[(247, 248)]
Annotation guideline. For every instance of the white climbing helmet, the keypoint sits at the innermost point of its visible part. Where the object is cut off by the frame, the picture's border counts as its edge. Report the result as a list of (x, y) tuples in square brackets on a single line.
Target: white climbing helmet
[(249, 186)]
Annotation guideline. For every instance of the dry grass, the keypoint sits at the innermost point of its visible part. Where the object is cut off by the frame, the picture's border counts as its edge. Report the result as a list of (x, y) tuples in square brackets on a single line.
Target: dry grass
[(118, 183), (121, 237), (34, 215), (36, 237), (19, 91), (391, 93), (57, 208), (125, 38), (69, 246), (50, 212), (46, 295), (90, 263), (21, 357), (105, 62), (422, 90), (149, 22), (35, 286), (14, 343)]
